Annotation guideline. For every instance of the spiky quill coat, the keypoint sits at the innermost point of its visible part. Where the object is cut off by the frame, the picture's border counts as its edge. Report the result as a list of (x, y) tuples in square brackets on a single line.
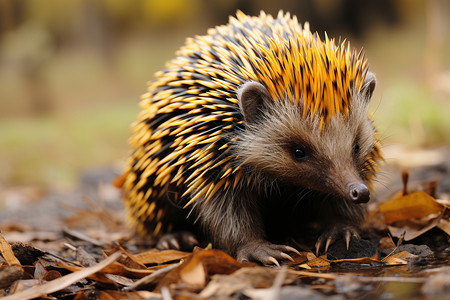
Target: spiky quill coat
[(193, 148)]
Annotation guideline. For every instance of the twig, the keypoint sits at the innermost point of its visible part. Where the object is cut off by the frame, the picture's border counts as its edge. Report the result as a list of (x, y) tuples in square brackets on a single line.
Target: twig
[(80, 236), (62, 259), (62, 282)]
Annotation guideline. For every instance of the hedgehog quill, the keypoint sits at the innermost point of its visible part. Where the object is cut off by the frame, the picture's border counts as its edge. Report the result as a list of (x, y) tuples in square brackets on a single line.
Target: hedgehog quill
[(256, 133)]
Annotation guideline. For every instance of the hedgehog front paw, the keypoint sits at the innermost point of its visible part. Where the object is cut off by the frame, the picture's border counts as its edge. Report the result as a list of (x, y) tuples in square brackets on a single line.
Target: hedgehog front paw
[(330, 235), (181, 240), (265, 252)]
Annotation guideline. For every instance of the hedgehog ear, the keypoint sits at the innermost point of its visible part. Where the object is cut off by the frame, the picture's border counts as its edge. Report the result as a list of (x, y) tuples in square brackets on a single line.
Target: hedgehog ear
[(369, 85), (253, 97)]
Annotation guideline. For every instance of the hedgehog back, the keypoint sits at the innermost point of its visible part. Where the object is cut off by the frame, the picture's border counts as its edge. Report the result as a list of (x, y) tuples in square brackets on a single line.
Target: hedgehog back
[(181, 141)]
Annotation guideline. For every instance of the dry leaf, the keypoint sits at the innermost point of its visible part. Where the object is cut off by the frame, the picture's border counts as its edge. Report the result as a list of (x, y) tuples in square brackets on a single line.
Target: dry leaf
[(213, 261), (410, 232), (7, 253), (444, 202), (14, 270), (305, 266), (400, 258), (61, 283), (444, 225), (115, 269), (39, 271), (298, 259), (193, 273), (152, 278), (361, 260), (51, 275), (414, 205), (218, 262), (318, 262), (129, 260), (154, 256)]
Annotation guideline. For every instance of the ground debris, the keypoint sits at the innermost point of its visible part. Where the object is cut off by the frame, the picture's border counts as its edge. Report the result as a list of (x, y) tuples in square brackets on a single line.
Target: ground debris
[(93, 255)]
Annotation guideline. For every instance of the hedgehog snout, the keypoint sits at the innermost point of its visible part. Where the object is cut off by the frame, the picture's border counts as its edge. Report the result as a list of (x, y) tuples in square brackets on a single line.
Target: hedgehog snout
[(359, 192)]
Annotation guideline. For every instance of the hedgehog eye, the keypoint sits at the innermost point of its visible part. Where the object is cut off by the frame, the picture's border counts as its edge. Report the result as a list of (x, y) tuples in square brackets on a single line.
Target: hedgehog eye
[(356, 148), (299, 154)]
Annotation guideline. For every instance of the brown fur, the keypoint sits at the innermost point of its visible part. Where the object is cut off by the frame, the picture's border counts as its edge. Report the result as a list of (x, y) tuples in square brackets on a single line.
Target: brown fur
[(238, 217), (223, 129)]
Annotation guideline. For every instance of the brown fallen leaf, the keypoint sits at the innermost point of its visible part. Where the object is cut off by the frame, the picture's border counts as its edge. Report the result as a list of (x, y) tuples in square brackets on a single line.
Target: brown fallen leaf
[(400, 258), (14, 271), (444, 225), (361, 260), (298, 260), (128, 260), (51, 275), (412, 214), (317, 262), (151, 279), (119, 280), (414, 205), (39, 271), (113, 268), (218, 262), (62, 282), (7, 253), (155, 256), (213, 262), (414, 228), (193, 273)]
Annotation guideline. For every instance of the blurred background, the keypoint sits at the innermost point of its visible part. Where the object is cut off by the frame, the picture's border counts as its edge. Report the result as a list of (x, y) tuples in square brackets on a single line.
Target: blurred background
[(72, 72)]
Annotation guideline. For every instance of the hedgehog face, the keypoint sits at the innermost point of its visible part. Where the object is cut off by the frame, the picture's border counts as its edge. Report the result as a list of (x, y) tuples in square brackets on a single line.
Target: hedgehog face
[(279, 141)]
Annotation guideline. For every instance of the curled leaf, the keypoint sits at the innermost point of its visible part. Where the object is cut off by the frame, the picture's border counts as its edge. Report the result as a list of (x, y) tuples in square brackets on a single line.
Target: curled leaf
[(414, 205)]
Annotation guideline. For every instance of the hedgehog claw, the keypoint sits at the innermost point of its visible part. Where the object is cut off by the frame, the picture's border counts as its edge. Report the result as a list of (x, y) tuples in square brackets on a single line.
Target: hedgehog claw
[(163, 245), (292, 249), (265, 252), (273, 261), (192, 240), (182, 240), (318, 246), (330, 240), (348, 237), (174, 243), (331, 235), (286, 256)]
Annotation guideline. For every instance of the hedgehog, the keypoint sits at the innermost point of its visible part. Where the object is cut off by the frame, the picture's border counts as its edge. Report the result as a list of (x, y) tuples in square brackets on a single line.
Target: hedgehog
[(253, 135)]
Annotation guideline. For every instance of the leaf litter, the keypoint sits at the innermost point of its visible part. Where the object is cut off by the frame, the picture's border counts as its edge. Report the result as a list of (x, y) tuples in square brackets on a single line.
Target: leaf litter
[(96, 257)]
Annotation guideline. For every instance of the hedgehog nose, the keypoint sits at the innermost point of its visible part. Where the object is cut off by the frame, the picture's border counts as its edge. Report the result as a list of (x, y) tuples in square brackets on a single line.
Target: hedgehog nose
[(359, 193)]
